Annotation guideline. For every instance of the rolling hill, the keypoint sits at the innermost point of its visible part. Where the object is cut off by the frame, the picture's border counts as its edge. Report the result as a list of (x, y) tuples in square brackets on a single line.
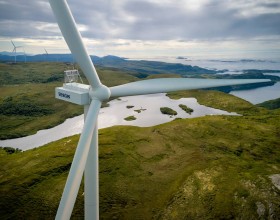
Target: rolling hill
[(213, 167)]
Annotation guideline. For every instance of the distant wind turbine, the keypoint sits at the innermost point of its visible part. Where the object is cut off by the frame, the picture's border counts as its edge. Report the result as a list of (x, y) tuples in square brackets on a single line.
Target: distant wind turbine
[(24, 54), (85, 160), (15, 50), (46, 54)]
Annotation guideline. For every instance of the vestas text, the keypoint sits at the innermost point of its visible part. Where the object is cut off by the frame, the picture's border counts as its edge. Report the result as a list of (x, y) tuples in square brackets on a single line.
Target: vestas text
[(64, 95)]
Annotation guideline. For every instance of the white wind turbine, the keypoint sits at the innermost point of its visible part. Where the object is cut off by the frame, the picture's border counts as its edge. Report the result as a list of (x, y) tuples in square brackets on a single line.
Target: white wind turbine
[(24, 54), (15, 50), (46, 54), (91, 96)]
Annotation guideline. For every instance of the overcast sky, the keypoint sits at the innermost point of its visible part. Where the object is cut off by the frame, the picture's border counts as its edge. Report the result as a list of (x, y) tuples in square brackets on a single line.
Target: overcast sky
[(141, 28)]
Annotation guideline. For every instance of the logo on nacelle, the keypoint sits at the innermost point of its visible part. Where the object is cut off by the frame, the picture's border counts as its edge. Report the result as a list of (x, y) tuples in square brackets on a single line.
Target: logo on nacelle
[(64, 95)]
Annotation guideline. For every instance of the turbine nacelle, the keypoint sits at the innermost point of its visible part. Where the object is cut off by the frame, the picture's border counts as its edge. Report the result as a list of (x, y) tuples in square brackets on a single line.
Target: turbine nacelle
[(76, 93), (82, 94)]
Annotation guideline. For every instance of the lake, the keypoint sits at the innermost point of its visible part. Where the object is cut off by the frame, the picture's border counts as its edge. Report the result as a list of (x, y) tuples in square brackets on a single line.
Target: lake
[(259, 95), (234, 66), (149, 106)]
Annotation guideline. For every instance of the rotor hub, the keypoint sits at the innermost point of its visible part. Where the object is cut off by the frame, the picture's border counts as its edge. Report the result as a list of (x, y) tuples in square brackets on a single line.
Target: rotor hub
[(101, 93)]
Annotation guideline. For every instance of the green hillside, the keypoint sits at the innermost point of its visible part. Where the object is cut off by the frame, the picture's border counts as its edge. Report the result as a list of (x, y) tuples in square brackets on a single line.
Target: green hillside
[(213, 167), (271, 104), (48, 72), (27, 102)]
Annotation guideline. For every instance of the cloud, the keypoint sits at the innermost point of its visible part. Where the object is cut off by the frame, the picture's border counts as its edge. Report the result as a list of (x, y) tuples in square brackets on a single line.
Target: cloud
[(146, 20), (25, 10), (209, 21), (149, 20)]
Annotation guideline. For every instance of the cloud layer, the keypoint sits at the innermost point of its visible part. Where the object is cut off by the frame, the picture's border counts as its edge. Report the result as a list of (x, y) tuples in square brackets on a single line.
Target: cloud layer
[(147, 20)]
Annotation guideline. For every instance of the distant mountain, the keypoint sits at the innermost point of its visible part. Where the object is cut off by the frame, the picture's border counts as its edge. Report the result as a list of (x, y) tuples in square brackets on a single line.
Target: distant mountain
[(144, 68), (10, 53), (6, 53), (37, 58), (139, 68)]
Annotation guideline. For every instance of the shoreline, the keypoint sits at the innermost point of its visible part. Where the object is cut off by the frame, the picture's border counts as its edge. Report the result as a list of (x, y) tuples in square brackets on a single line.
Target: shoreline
[(115, 114)]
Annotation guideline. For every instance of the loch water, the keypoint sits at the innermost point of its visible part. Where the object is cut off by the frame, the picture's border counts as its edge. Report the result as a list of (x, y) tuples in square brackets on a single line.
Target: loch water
[(147, 114)]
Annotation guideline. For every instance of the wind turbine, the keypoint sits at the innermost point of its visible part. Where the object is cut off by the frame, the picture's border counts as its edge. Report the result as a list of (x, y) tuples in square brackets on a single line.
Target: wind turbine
[(46, 54), (85, 160), (24, 54), (15, 50)]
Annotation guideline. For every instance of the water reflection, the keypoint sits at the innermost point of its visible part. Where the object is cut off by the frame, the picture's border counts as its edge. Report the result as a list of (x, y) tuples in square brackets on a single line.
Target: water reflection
[(115, 114)]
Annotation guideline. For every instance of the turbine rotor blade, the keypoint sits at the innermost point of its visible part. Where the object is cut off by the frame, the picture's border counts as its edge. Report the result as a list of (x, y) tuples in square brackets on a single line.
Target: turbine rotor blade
[(78, 165), (13, 43), (74, 41), (174, 84)]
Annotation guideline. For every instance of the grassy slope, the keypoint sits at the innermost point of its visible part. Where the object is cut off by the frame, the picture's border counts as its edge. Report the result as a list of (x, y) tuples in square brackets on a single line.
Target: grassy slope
[(32, 89), (42, 72), (41, 94), (213, 167), (220, 100), (271, 104), (21, 73)]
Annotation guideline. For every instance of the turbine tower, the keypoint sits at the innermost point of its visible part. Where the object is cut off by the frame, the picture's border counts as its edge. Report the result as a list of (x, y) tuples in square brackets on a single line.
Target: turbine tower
[(24, 54), (15, 50), (46, 54), (85, 160)]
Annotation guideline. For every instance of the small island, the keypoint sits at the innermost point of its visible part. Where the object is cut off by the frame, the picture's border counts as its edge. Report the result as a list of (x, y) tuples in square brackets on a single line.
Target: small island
[(186, 108), (181, 58), (130, 118), (140, 110), (168, 111)]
